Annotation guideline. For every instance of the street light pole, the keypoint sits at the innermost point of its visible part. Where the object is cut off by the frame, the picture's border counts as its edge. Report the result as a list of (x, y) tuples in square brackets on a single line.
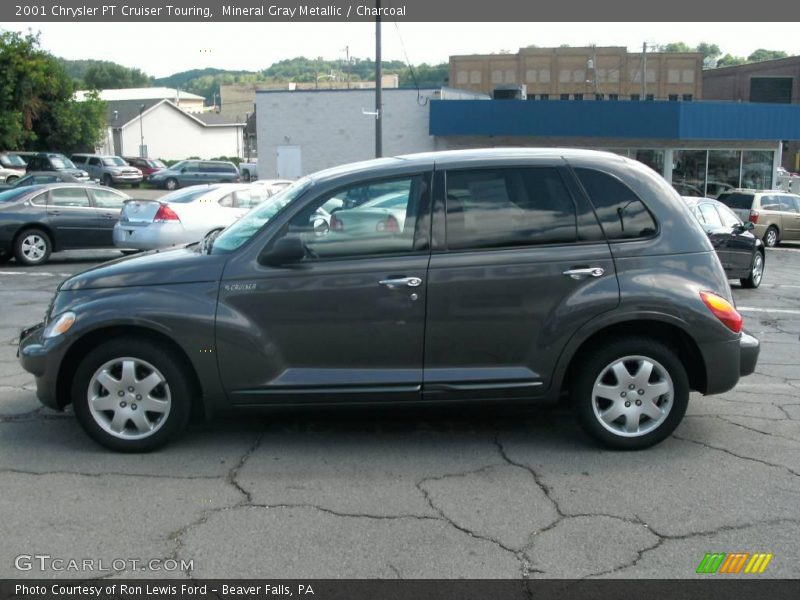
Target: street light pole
[(141, 133), (378, 91)]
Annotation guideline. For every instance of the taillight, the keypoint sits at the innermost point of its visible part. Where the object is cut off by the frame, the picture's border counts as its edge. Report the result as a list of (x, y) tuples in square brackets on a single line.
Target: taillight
[(336, 224), (389, 225), (753, 216), (723, 310), (165, 213)]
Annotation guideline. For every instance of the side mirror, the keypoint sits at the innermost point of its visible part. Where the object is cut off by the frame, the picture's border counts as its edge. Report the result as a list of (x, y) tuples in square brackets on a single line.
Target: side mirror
[(748, 226), (285, 250), (183, 170)]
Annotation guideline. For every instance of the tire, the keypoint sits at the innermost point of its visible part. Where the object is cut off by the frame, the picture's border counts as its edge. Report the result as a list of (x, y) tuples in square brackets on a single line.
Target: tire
[(246, 177), (171, 184), (107, 181), (11, 178), (32, 247), (658, 416), (4, 258), (771, 237), (101, 379), (756, 272), (135, 185)]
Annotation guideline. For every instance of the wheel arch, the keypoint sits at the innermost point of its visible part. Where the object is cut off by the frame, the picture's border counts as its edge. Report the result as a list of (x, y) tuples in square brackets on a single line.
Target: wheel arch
[(94, 337), (37, 225), (667, 332)]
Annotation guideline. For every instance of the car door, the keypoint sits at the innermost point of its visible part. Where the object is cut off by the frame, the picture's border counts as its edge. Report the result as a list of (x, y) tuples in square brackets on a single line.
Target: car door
[(519, 263), (719, 235), (345, 324), (790, 217), (95, 167), (740, 243), (107, 207), (72, 217)]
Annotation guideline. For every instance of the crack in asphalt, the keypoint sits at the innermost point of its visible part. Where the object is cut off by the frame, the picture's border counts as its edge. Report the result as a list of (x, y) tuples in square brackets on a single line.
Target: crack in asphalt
[(726, 451)]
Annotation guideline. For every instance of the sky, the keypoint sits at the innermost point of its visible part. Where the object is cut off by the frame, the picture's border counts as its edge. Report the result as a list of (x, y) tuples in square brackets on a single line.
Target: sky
[(161, 49)]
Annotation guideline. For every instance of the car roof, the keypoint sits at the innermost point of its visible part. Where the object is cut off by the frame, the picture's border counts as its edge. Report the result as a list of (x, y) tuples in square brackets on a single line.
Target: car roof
[(448, 157)]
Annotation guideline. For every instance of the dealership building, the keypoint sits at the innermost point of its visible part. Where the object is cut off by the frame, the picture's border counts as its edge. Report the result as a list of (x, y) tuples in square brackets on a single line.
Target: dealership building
[(701, 147)]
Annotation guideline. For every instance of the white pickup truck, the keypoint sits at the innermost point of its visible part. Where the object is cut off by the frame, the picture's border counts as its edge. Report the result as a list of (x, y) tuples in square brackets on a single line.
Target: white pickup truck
[(248, 171)]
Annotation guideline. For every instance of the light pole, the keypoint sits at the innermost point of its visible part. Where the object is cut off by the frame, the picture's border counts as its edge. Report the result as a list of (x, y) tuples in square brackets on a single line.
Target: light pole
[(142, 151), (378, 91)]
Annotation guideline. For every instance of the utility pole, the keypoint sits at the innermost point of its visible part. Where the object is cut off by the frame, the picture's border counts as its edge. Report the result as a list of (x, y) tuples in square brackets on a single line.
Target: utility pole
[(142, 153), (644, 71), (378, 91)]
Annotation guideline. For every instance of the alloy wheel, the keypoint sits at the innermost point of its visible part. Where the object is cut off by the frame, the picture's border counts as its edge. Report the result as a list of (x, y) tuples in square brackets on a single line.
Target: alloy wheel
[(34, 247), (129, 398), (632, 396), (758, 269)]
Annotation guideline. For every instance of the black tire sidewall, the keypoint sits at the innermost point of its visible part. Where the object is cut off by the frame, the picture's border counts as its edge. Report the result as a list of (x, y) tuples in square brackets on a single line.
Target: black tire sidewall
[(749, 282), (21, 258), (597, 359), (180, 392)]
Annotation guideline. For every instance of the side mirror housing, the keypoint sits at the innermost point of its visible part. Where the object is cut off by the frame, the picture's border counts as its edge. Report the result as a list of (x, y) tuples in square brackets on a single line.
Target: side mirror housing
[(286, 250)]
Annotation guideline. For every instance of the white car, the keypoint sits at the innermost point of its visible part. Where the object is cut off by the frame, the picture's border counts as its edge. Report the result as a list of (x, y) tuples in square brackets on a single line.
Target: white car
[(184, 216), (9, 175), (274, 186)]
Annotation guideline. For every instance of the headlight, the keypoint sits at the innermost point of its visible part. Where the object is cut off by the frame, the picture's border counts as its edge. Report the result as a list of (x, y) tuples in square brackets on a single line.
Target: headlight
[(59, 325)]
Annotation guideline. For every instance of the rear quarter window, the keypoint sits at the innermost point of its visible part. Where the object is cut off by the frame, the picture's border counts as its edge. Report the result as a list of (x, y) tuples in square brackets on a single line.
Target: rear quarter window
[(621, 212), (736, 200)]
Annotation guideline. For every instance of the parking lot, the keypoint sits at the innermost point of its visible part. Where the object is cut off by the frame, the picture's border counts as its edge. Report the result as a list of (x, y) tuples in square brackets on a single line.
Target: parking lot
[(409, 494)]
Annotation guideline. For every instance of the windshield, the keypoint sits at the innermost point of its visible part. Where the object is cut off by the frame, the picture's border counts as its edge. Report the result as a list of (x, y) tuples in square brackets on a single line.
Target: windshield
[(61, 163), (156, 164), (178, 166), (15, 193), (246, 227), (12, 160), (114, 161), (188, 194)]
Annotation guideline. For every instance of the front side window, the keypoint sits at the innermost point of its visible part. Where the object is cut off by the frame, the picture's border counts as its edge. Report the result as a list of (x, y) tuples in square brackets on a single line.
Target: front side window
[(729, 219), (620, 211), (373, 219), (73, 197), (502, 208)]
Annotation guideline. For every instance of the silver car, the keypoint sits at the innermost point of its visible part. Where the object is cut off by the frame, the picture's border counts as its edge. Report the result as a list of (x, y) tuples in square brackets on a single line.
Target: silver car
[(184, 216)]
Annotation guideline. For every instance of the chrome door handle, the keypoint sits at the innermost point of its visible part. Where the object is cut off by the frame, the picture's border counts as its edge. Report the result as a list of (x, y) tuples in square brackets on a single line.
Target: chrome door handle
[(583, 273), (401, 282)]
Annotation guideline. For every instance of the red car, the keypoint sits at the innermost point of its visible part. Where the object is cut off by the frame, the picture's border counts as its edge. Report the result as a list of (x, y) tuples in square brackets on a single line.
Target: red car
[(147, 166)]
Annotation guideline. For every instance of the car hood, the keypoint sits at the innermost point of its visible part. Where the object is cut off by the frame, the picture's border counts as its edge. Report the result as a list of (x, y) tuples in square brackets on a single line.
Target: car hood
[(159, 267)]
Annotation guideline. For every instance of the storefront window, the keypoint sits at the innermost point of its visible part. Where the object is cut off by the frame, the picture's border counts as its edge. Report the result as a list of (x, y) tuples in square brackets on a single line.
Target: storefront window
[(723, 171), (689, 172), (757, 169), (652, 158)]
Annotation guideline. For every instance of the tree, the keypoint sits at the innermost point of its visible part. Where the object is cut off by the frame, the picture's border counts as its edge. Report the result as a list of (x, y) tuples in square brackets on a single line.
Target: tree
[(37, 108), (676, 47), (710, 52), (729, 60), (111, 76), (762, 54)]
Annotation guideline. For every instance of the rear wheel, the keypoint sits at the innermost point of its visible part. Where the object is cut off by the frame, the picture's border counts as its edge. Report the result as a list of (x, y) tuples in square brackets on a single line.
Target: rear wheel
[(631, 393), (771, 237), (32, 247), (11, 178), (131, 396), (756, 272), (171, 184)]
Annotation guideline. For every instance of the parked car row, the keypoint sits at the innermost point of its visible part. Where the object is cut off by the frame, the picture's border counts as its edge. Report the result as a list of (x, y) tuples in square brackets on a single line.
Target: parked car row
[(37, 219), (775, 215)]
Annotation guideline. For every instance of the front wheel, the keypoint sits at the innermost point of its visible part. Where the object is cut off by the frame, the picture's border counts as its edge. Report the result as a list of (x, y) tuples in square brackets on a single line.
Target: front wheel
[(756, 272), (131, 396), (107, 181), (171, 184), (631, 393)]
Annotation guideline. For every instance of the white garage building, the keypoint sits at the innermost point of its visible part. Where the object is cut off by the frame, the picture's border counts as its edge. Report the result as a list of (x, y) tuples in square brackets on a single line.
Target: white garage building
[(168, 132)]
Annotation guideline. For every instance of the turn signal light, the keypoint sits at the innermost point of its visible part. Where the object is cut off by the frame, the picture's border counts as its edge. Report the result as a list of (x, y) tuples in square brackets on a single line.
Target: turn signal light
[(165, 213), (723, 310)]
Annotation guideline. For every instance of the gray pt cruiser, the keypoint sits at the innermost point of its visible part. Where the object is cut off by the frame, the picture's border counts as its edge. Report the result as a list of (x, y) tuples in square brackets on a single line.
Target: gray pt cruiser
[(516, 275)]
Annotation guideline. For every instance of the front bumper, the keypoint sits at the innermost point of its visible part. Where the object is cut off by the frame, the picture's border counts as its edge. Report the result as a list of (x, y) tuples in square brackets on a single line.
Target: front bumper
[(42, 358), (126, 178)]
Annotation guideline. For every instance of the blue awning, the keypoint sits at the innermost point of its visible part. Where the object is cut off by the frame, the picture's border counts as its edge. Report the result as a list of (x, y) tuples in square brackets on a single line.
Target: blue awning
[(696, 120)]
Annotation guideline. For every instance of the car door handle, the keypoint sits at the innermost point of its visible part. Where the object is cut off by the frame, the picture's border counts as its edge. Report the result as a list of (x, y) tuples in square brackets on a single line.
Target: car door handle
[(401, 282), (582, 273), (54, 212), (110, 216)]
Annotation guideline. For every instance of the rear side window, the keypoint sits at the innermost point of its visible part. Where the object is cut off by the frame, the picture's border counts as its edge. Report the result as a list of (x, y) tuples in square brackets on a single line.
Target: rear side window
[(736, 200), (499, 208), (108, 198), (622, 214)]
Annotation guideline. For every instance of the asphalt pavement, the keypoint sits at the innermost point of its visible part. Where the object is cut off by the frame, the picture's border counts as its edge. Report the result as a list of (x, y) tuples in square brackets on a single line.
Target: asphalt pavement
[(495, 493)]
